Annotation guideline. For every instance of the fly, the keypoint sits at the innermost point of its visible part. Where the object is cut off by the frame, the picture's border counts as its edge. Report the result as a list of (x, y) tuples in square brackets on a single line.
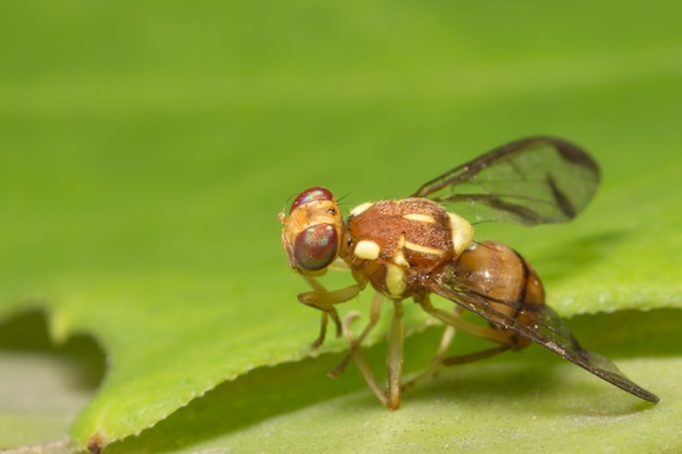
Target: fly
[(414, 247)]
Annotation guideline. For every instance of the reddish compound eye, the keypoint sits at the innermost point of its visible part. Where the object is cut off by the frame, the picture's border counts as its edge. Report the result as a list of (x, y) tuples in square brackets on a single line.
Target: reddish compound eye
[(311, 195), (316, 247)]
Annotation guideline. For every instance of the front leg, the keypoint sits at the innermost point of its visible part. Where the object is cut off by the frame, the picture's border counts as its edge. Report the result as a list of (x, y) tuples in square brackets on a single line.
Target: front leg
[(324, 300)]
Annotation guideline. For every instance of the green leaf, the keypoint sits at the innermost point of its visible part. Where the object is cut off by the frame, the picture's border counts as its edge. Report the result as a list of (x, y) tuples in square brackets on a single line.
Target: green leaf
[(147, 149), (517, 403)]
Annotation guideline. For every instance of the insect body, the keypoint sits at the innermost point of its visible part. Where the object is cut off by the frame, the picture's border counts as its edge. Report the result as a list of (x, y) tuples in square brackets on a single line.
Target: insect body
[(394, 243), (413, 247)]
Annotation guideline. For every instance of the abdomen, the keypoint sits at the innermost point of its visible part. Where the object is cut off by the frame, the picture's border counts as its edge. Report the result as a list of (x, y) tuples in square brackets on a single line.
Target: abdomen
[(498, 273)]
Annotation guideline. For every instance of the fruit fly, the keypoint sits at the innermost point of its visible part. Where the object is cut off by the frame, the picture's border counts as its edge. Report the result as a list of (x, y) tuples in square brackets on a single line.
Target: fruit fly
[(412, 248)]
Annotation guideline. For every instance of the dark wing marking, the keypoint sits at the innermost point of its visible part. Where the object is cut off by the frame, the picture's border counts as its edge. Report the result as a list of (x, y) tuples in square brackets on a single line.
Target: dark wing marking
[(532, 181), (547, 329)]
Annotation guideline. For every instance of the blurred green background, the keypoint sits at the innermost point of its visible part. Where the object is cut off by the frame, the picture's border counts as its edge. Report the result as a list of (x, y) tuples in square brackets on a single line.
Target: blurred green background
[(147, 147), (122, 120)]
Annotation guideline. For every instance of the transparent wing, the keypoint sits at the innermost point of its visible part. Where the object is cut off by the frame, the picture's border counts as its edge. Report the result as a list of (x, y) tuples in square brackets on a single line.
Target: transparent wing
[(547, 329), (532, 181)]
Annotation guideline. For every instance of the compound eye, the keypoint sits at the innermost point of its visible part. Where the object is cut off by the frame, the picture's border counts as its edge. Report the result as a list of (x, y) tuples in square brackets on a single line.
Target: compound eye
[(311, 195), (316, 247)]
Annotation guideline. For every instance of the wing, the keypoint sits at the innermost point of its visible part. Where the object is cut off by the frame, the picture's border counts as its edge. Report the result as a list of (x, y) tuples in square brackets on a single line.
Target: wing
[(532, 181), (546, 329)]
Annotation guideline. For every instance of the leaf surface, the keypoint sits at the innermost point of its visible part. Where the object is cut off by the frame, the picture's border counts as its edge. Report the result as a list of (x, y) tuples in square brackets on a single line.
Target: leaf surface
[(146, 150)]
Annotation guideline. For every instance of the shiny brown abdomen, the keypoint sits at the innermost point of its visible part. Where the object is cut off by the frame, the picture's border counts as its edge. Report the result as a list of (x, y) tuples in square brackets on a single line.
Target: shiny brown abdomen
[(498, 273)]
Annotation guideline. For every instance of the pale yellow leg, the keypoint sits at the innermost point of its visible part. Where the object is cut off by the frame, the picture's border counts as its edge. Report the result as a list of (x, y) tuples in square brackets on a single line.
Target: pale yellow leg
[(454, 320), (324, 300), (437, 362), (374, 314), (391, 397), (395, 356), (452, 361), (360, 361)]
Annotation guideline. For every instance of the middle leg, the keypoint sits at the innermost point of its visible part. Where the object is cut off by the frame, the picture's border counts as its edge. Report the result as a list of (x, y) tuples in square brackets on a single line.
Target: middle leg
[(390, 397)]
